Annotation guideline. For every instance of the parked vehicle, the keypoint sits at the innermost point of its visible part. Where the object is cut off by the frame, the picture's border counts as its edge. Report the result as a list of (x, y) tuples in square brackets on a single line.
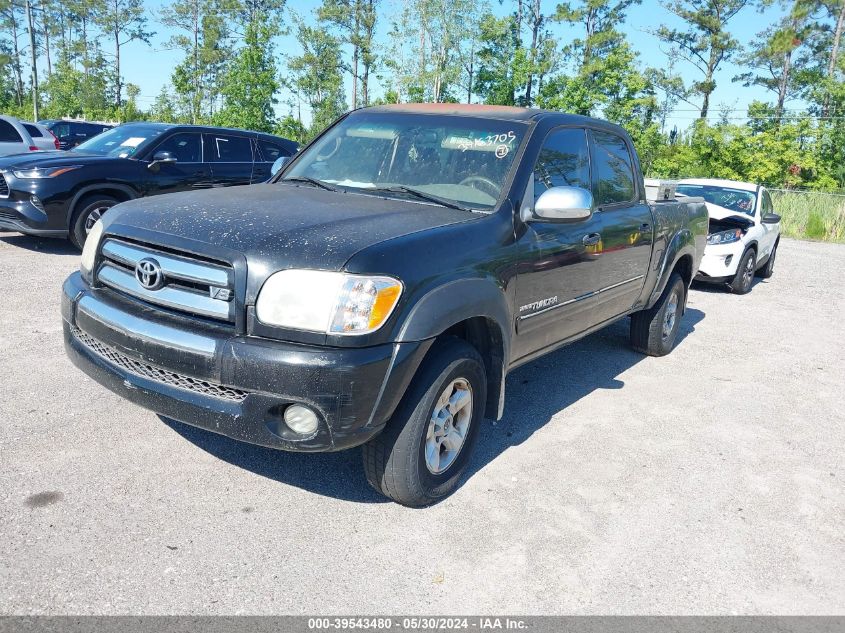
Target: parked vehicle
[(41, 137), (14, 138), (62, 194), (379, 290), (743, 235), (73, 133)]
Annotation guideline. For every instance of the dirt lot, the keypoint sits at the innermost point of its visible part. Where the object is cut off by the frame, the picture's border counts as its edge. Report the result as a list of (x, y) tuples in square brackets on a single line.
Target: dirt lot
[(709, 481)]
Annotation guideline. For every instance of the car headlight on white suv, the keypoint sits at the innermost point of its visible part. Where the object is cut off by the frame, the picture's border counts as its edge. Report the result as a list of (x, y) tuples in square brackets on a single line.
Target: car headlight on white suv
[(324, 301), (725, 237)]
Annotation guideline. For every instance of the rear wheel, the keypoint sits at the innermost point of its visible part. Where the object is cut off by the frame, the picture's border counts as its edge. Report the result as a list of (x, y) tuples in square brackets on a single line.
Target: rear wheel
[(654, 331), (420, 456), (741, 283), (88, 211)]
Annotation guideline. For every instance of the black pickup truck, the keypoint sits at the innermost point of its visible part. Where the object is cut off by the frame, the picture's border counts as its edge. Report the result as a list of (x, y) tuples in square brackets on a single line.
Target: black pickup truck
[(380, 288)]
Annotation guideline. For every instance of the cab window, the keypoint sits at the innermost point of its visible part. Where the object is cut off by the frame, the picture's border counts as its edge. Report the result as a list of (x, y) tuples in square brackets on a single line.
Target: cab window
[(564, 161), (613, 169)]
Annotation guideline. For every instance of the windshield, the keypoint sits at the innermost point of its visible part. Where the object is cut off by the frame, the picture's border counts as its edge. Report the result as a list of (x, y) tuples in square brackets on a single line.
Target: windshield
[(121, 142), (731, 199), (460, 160)]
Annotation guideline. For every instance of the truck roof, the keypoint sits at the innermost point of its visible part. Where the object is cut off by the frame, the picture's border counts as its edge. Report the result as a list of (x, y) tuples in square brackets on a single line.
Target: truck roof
[(488, 111)]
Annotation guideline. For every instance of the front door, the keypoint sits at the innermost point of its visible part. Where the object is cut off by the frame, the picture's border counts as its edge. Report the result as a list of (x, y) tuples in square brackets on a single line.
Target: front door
[(769, 232), (627, 225), (230, 158), (555, 280), (188, 172)]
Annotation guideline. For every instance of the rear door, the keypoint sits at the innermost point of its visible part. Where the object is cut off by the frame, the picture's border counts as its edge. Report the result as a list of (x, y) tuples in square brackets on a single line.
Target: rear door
[(230, 157), (626, 224), (556, 280), (12, 141)]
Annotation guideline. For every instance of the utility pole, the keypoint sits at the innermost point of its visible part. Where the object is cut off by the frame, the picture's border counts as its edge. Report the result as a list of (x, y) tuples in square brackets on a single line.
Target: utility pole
[(33, 58)]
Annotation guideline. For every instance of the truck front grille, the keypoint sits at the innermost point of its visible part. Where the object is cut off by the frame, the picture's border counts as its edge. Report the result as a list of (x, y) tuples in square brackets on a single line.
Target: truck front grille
[(146, 370), (182, 282), (4, 187)]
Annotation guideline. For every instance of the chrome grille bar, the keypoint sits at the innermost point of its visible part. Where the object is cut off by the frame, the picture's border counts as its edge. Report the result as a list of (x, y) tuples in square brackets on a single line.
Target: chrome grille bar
[(189, 285), (173, 266), (169, 296)]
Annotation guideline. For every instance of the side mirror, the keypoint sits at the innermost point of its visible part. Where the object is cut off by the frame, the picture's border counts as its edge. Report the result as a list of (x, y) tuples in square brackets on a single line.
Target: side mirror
[(280, 162), (162, 157), (563, 204), (770, 218)]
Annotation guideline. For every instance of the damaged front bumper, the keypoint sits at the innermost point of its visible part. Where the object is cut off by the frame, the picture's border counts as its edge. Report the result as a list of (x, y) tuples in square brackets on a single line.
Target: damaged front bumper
[(205, 375)]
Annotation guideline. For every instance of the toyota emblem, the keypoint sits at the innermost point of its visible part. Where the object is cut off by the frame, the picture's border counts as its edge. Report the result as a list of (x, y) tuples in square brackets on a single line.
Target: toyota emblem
[(148, 273)]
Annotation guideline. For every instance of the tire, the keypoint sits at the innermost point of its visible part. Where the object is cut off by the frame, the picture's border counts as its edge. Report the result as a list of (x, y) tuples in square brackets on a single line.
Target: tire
[(741, 283), (653, 331), (769, 269), (395, 461), (88, 211)]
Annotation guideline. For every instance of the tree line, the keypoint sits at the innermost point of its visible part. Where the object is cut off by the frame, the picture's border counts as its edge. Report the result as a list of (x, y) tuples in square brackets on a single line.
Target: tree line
[(63, 57)]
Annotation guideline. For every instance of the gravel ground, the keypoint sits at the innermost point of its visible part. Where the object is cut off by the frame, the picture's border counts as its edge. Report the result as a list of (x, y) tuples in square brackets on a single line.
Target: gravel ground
[(708, 482)]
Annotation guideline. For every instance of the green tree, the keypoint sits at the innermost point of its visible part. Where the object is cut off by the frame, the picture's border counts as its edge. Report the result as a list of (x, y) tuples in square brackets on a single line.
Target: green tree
[(123, 21), (354, 21), (705, 41), (250, 85), (771, 58), (316, 75)]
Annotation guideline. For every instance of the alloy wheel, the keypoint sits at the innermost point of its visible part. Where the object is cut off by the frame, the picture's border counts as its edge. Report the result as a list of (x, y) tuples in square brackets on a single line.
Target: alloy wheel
[(449, 425)]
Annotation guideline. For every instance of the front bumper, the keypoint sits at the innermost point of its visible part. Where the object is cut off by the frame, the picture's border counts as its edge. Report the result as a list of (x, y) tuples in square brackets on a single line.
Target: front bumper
[(720, 261), (210, 377), (23, 216)]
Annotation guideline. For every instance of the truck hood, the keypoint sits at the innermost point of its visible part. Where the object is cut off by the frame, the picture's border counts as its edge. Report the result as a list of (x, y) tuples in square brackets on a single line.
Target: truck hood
[(44, 160), (276, 226)]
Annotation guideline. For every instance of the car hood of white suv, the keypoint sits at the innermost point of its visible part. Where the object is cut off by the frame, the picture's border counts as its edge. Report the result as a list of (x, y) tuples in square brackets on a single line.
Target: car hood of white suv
[(720, 213)]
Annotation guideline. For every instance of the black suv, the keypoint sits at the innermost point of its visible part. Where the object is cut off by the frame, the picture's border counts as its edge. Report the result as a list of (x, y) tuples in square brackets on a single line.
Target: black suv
[(63, 194), (72, 133)]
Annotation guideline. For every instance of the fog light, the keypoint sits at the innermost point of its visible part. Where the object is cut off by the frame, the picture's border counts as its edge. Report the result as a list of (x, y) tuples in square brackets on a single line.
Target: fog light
[(301, 419), (36, 202), (728, 260)]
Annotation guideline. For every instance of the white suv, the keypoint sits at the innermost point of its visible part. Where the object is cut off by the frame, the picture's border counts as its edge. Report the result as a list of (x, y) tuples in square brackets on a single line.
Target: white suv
[(744, 231)]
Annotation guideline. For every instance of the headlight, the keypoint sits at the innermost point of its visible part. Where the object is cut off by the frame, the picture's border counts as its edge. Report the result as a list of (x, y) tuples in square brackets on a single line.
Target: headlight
[(49, 172), (321, 301), (724, 237), (89, 251)]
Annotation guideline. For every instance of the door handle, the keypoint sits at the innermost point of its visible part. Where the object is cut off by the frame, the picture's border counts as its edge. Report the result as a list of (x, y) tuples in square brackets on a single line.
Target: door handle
[(592, 239)]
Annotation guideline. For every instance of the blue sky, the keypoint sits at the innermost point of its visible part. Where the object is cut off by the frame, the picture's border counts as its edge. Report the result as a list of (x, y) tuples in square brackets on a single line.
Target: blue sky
[(151, 67)]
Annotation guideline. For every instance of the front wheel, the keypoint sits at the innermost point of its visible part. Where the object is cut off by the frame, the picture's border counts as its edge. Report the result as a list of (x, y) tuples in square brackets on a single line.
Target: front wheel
[(88, 211), (741, 283), (420, 456), (654, 331)]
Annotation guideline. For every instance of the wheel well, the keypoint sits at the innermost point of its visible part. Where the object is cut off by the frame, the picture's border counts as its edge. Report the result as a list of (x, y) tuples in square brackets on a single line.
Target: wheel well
[(118, 194), (684, 268), (486, 337)]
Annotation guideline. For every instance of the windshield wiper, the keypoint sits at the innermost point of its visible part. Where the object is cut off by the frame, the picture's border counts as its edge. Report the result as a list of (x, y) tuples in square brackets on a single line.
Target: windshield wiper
[(422, 195), (312, 181)]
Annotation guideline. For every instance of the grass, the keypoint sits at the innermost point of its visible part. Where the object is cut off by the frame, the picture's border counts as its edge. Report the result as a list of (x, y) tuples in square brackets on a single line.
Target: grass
[(811, 215)]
